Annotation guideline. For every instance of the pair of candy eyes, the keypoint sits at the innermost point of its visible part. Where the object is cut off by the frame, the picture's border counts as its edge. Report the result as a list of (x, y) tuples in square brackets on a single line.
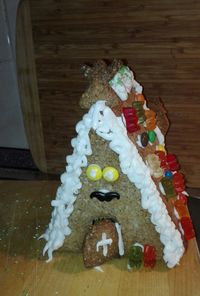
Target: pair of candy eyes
[(94, 173)]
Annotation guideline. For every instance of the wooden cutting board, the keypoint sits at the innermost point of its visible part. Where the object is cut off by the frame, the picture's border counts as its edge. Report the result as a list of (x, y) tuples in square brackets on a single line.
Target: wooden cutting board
[(24, 213), (158, 39)]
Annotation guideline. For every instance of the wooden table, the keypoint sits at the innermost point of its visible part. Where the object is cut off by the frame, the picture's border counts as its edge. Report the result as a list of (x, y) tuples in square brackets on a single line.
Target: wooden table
[(25, 212)]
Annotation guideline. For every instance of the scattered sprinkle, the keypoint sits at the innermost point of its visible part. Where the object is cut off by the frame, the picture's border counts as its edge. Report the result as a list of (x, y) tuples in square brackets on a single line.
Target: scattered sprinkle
[(98, 268)]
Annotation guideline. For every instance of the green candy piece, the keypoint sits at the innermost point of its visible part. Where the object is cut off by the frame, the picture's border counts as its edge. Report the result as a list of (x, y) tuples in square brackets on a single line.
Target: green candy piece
[(135, 257), (168, 187), (138, 105), (152, 136)]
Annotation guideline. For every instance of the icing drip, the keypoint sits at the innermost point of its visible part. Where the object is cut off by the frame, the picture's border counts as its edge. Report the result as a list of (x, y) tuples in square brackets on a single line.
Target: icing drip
[(120, 240), (111, 128), (104, 243)]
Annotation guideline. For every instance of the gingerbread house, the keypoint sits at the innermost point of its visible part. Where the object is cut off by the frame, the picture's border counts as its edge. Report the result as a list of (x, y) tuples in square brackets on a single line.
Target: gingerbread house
[(122, 193)]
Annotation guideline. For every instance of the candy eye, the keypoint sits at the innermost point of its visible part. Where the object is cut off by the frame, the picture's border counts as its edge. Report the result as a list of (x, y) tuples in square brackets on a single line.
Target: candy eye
[(110, 174), (94, 172)]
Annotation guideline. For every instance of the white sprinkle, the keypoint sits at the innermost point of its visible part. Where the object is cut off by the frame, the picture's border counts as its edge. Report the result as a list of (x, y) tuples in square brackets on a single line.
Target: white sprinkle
[(98, 268)]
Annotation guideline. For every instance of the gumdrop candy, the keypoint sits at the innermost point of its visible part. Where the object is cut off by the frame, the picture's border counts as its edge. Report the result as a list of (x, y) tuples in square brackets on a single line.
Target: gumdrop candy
[(179, 182), (181, 209), (154, 165), (168, 187), (152, 136), (150, 119), (187, 226), (140, 97), (138, 105), (172, 162), (135, 256), (182, 197), (144, 139), (168, 174), (149, 256), (131, 119)]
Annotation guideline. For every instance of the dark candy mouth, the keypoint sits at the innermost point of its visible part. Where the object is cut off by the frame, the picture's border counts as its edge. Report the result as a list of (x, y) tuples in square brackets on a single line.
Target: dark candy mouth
[(102, 196)]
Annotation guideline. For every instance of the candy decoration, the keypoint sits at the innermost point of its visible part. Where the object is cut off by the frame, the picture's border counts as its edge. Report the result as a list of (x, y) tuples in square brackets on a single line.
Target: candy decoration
[(154, 165), (182, 197), (179, 182), (162, 157), (122, 82), (110, 174), (172, 162), (187, 226), (149, 256), (94, 172), (168, 187), (144, 139), (160, 147), (181, 209), (135, 256), (131, 119), (152, 136), (140, 97), (138, 105), (150, 119), (168, 174)]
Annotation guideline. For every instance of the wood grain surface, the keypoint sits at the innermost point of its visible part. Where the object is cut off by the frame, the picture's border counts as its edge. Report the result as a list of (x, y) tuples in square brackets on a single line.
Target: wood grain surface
[(24, 214), (160, 41)]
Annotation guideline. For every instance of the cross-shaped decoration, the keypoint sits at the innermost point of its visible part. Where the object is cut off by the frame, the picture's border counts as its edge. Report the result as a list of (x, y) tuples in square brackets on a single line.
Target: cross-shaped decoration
[(104, 243)]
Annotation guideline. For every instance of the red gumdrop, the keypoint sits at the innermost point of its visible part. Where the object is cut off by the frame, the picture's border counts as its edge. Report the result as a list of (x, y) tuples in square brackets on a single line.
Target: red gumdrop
[(149, 256), (188, 229), (172, 161), (131, 119), (182, 197), (179, 182)]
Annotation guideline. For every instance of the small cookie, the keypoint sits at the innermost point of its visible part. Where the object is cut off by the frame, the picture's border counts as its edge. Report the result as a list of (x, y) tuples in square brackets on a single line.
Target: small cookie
[(101, 243)]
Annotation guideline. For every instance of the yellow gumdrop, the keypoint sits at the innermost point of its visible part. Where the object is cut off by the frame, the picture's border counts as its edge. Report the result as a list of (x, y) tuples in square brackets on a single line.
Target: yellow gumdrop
[(94, 172), (110, 174), (160, 148)]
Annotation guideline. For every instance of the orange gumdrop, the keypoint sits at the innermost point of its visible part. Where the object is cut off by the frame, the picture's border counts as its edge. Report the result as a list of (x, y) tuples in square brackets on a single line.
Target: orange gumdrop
[(150, 119), (139, 97), (181, 209)]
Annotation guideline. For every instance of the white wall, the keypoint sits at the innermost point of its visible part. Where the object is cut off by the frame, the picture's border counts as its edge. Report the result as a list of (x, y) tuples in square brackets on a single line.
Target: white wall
[(12, 133)]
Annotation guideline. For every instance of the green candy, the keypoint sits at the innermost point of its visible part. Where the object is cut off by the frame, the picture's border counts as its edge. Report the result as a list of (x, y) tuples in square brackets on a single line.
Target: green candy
[(168, 187), (152, 136), (135, 256)]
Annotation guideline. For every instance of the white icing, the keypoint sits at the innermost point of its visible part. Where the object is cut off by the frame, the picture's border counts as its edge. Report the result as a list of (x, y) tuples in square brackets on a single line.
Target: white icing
[(139, 245), (162, 190), (104, 190), (98, 268), (176, 214), (120, 239), (123, 82), (161, 138), (138, 141), (109, 175), (104, 242), (109, 127), (93, 173), (145, 106)]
